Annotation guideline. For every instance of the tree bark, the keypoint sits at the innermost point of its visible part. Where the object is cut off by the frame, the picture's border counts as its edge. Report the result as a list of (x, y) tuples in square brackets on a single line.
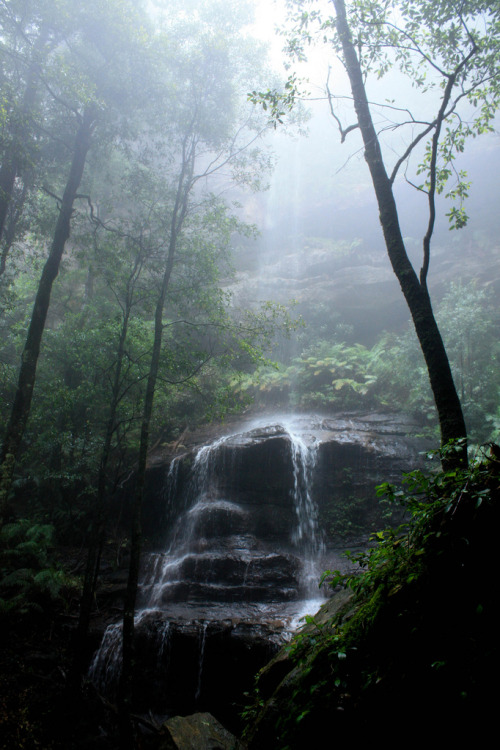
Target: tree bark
[(27, 374), (125, 686), (451, 420), (96, 536), (14, 217), (179, 212)]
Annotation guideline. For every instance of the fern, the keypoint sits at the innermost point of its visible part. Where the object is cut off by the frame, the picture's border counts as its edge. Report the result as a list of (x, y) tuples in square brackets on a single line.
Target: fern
[(29, 583)]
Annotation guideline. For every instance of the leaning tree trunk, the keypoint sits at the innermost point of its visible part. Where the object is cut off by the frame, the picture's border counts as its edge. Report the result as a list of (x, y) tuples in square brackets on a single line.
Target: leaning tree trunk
[(451, 420), (27, 374)]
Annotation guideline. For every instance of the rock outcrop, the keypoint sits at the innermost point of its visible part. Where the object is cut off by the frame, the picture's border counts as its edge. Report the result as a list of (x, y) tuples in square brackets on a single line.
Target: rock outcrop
[(249, 521), (197, 732)]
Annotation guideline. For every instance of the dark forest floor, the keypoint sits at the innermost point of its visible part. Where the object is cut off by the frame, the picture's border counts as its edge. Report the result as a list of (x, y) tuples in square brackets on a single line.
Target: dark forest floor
[(37, 710)]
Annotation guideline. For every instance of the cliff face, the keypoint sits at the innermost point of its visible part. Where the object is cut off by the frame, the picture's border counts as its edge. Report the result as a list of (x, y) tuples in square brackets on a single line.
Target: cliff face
[(352, 282)]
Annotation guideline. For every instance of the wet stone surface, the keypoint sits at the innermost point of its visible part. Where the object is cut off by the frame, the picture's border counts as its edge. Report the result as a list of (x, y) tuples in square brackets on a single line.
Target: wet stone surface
[(244, 525)]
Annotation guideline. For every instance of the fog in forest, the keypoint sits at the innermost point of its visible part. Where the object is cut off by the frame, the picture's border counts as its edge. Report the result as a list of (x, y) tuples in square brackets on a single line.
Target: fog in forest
[(249, 271)]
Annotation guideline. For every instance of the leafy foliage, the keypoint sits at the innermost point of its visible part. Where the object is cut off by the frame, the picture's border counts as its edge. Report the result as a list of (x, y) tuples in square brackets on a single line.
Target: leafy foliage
[(449, 53), (417, 622), (331, 374), (188, 135), (325, 375), (29, 581), (468, 321)]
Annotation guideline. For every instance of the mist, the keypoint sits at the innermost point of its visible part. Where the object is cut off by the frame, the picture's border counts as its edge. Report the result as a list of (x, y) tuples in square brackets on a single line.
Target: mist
[(249, 284)]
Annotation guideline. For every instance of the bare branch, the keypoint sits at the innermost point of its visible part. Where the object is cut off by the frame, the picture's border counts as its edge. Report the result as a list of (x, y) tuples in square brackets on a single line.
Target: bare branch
[(343, 131), (52, 195), (191, 375), (408, 151), (413, 185), (60, 100), (432, 169)]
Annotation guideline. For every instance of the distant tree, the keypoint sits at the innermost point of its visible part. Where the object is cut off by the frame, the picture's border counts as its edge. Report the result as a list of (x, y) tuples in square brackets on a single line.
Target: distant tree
[(18, 137), (450, 53), (87, 79), (468, 321)]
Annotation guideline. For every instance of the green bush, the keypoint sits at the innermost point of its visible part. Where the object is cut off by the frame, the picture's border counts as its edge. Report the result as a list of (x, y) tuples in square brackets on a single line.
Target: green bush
[(29, 581), (325, 375), (418, 631)]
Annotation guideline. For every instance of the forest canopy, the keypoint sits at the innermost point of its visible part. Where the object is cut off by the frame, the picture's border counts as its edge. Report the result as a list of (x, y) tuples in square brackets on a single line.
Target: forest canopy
[(120, 141)]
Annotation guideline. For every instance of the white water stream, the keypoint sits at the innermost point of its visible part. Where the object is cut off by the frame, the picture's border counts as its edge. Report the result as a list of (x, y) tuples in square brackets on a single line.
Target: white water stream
[(213, 565)]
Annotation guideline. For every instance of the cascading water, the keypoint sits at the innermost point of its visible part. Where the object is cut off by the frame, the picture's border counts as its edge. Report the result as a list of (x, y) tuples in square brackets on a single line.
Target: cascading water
[(223, 557), (213, 554), (106, 664), (244, 553), (307, 536)]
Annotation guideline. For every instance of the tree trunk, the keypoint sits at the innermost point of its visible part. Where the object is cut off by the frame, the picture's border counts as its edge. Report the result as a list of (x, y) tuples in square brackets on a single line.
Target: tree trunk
[(15, 214), (125, 686), (8, 172), (96, 537), (27, 374), (451, 420)]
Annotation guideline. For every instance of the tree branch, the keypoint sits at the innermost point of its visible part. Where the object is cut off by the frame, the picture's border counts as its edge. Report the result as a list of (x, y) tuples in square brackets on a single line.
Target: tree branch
[(433, 165), (343, 131)]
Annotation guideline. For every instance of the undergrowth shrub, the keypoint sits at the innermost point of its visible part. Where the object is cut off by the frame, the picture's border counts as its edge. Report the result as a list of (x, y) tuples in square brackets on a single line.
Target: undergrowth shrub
[(418, 630), (29, 580)]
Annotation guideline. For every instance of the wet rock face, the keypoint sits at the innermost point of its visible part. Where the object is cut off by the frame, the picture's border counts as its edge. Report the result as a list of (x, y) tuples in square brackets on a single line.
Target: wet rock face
[(185, 665), (255, 516), (232, 576), (253, 474), (243, 527), (203, 664)]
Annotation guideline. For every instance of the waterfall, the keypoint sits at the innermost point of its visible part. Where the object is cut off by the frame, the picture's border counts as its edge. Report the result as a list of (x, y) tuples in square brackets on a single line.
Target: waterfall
[(210, 555), (171, 482), (186, 556), (106, 665), (164, 641), (230, 550), (254, 517), (307, 535)]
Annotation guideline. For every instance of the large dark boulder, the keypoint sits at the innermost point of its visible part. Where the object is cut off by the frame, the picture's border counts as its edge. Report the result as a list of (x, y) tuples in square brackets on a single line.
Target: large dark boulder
[(197, 732)]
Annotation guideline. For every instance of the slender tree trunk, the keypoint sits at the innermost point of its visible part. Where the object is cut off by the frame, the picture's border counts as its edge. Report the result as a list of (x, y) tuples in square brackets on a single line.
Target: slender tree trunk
[(10, 228), (448, 405), (27, 374), (8, 172), (125, 686), (96, 537)]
